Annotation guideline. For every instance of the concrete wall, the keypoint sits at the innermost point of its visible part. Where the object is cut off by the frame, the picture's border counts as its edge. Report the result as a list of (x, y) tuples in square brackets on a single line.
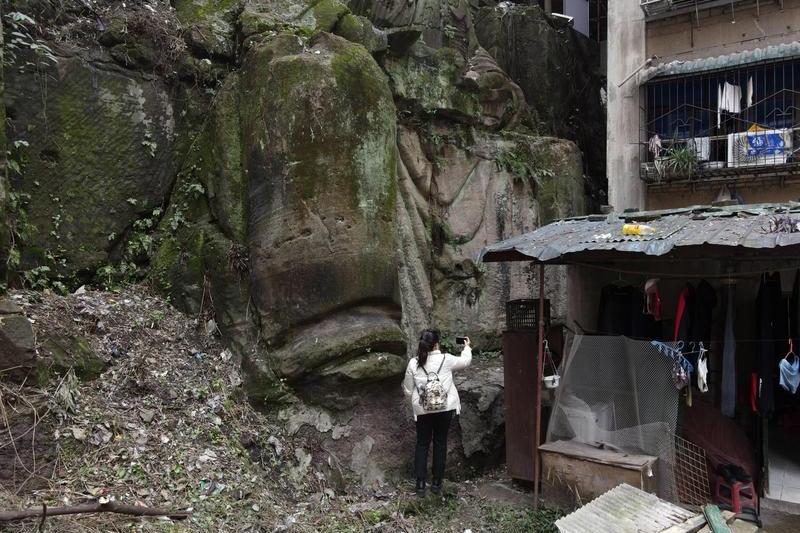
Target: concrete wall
[(579, 11), (626, 54), (752, 191), (713, 33)]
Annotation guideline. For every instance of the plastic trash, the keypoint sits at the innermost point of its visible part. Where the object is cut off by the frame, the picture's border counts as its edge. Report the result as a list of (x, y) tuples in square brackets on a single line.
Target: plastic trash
[(637, 229)]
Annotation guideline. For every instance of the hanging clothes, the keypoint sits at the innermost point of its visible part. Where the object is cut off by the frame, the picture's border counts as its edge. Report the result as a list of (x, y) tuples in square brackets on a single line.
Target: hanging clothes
[(705, 302), (729, 355), (702, 372), (794, 310), (654, 145), (768, 304), (790, 374), (702, 147), (785, 399), (615, 307), (652, 298), (684, 315), (622, 312), (731, 98), (749, 91)]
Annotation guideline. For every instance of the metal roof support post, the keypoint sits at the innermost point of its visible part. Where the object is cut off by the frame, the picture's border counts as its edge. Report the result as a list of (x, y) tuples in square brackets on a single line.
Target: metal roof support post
[(538, 389)]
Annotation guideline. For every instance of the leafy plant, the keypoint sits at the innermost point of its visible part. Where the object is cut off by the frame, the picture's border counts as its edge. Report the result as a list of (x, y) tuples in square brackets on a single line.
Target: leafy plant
[(21, 30), (679, 162), (522, 165)]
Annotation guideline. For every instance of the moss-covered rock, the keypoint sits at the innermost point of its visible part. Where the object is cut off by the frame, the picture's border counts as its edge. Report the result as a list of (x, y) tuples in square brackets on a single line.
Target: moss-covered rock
[(562, 189), (100, 155), (360, 30), (327, 14), (557, 68), (303, 17), (430, 82), (17, 343), (221, 170), (63, 353), (211, 25), (320, 158)]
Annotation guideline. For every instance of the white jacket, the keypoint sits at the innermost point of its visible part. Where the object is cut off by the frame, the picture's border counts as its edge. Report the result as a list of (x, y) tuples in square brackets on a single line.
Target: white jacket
[(418, 377)]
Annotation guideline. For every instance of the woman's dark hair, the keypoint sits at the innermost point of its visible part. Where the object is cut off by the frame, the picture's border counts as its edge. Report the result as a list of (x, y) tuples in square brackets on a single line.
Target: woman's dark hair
[(427, 341)]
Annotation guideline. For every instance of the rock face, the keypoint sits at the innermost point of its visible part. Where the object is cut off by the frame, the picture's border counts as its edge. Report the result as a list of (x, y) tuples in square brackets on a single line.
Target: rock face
[(319, 177), (17, 342), (557, 69), (321, 172)]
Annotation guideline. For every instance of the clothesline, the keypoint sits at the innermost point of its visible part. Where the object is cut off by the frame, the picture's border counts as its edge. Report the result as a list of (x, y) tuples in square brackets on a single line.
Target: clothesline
[(754, 273)]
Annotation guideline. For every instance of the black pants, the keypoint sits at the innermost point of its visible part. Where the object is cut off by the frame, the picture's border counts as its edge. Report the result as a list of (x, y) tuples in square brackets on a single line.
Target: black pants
[(434, 425)]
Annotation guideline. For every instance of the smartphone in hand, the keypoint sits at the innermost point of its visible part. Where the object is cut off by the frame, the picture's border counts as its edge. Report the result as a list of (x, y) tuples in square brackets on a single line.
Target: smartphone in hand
[(461, 340)]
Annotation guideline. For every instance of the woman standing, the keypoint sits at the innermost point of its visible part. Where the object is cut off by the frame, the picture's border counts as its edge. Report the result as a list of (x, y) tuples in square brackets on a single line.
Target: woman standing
[(433, 403)]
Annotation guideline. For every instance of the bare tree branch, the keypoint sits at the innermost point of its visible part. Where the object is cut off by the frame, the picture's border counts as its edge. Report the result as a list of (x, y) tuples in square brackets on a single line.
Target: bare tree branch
[(110, 507)]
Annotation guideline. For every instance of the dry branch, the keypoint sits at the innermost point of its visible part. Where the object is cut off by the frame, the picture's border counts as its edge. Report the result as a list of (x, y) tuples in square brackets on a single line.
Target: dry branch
[(110, 507)]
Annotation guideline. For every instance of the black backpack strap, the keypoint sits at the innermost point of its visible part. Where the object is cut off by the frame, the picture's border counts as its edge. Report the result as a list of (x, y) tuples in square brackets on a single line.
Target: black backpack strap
[(440, 364)]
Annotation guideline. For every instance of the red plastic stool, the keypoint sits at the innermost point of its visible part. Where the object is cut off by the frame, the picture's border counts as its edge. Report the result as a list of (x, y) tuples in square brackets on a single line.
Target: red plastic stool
[(736, 495)]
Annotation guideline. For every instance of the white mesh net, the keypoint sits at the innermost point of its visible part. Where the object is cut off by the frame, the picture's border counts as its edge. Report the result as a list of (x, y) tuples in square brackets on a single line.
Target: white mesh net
[(619, 392)]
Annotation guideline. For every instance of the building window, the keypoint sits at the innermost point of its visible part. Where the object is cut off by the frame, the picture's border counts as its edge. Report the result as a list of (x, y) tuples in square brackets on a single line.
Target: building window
[(598, 20), (737, 120)]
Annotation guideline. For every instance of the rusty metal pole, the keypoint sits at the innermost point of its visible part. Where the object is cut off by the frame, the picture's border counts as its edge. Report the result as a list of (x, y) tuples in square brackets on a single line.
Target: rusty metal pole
[(538, 388)]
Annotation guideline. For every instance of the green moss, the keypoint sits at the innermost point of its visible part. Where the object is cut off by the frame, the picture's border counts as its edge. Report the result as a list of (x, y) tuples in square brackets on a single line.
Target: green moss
[(74, 353), (163, 263), (219, 167), (193, 11), (350, 27), (327, 13), (261, 384), (369, 367), (429, 81)]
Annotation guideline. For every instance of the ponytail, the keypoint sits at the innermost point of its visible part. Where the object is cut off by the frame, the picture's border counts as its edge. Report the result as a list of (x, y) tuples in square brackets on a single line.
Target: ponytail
[(427, 341)]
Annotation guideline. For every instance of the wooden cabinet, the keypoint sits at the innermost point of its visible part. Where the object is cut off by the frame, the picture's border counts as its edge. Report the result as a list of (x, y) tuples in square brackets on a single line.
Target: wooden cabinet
[(520, 383), (574, 473)]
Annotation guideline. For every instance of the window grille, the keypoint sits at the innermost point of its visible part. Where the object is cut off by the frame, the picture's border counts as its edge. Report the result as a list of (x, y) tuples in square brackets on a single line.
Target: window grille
[(737, 121)]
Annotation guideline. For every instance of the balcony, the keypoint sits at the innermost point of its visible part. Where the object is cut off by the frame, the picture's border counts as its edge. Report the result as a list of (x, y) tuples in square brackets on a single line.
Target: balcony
[(657, 9), (725, 125)]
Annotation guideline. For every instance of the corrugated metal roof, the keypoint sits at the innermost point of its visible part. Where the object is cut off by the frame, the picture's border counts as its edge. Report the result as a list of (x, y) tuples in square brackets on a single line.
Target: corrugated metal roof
[(757, 55), (624, 509), (734, 229)]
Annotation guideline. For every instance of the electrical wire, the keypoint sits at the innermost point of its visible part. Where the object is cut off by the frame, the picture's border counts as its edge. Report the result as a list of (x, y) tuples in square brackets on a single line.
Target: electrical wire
[(679, 275)]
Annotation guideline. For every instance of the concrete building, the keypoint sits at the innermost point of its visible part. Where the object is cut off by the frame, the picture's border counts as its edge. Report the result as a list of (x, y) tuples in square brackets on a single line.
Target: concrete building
[(703, 102)]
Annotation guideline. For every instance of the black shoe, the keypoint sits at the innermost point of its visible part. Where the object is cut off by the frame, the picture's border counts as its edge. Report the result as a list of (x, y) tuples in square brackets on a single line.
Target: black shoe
[(436, 486), (420, 488)]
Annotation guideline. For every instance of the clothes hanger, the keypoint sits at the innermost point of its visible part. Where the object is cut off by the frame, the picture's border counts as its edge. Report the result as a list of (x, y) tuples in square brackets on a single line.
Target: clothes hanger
[(791, 351)]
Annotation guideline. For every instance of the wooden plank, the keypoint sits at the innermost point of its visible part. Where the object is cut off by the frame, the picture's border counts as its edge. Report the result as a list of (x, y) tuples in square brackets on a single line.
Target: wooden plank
[(569, 481), (690, 526), (586, 452), (519, 361), (715, 520)]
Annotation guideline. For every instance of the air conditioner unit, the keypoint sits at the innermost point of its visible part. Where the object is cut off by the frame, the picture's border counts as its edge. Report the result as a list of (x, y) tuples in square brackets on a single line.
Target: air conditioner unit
[(654, 7)]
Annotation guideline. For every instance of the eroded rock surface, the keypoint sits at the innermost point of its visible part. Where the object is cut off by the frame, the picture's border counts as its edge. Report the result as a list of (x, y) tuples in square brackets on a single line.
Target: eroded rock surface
[(316, 179)]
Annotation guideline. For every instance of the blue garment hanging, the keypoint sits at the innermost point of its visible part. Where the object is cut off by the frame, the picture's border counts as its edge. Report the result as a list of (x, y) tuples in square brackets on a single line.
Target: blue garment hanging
[(790, 374)]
